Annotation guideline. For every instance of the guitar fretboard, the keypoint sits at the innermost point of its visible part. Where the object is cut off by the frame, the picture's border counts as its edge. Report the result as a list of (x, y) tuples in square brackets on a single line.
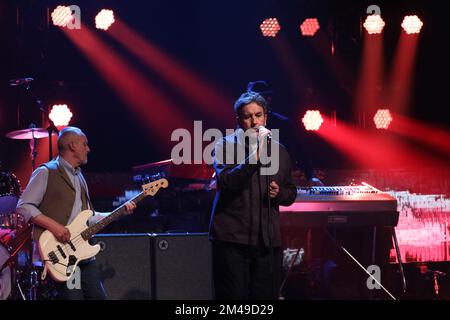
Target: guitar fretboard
[(120, 211)]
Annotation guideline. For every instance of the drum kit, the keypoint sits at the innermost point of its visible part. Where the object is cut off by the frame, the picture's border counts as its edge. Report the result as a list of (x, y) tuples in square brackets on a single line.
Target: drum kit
[(18, 273)]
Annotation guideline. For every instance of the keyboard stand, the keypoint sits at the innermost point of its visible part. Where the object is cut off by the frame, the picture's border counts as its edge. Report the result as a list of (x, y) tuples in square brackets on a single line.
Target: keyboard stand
[(365, 270), (397, 251), (399, 258)]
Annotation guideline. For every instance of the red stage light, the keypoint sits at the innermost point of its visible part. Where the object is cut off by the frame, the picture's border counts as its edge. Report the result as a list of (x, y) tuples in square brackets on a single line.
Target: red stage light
[(60, 115), (309, 27), (270, 27), (104, 19), (382, 118), (312, 120), (374, 24), (61, 16), (412, 24)]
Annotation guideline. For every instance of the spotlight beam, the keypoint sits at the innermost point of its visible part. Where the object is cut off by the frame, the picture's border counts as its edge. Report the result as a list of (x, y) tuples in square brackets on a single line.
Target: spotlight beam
[(155, 111), (373, 149), (210, 100), (402, 74), (427, 134)]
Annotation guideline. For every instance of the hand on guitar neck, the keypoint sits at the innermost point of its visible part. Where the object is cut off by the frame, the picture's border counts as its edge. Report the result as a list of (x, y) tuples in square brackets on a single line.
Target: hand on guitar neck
[(129, 209), (62, 233)]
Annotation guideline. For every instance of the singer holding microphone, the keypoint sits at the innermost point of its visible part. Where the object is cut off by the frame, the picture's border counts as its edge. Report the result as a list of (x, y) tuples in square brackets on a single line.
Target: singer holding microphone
[(245, 227)]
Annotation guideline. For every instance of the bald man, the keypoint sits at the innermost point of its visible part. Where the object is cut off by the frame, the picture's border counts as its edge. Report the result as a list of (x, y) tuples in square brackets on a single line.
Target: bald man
[(56, 193)]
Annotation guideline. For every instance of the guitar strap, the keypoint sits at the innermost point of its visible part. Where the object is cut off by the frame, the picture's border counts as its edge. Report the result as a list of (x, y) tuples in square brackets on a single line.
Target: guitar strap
[(85, 199)]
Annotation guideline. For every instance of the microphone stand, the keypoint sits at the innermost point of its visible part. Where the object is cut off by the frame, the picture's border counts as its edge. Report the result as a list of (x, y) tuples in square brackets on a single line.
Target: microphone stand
[(51, 127), (270, 229), (270, 221), (33, 152)]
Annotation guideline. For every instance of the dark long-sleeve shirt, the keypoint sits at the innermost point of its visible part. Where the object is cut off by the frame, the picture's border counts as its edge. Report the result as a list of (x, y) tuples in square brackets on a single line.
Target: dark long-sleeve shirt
[(240, 213)]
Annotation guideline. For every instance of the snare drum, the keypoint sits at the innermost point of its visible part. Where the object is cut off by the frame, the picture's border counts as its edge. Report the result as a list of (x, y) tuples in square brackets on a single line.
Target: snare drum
[(9, 196)]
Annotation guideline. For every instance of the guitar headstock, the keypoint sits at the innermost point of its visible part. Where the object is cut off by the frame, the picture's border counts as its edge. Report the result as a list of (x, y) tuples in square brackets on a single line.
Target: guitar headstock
[(151, 188)]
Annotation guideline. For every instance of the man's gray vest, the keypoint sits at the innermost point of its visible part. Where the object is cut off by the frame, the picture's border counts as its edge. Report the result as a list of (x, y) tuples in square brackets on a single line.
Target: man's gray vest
[(59, 197)]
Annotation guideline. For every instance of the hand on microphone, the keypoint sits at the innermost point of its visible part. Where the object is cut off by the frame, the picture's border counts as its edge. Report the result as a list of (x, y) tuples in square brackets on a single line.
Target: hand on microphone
[(263, 132), (264, 136)]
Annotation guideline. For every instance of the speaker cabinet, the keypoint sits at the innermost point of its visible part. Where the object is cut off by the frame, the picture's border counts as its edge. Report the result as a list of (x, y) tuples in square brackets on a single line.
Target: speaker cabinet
[(182, 267), (155, 266), (124, 263)]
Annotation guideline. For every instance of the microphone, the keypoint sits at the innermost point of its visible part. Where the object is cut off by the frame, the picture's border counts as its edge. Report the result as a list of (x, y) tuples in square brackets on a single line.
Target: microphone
[(264, 131), (19, 81)]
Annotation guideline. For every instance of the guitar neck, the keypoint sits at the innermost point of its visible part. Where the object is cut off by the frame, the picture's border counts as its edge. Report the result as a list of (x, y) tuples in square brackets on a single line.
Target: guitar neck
[(120, 211)]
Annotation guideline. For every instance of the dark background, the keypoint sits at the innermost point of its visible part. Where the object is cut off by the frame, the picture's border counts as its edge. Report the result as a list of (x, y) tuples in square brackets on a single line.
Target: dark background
[(220, 41)]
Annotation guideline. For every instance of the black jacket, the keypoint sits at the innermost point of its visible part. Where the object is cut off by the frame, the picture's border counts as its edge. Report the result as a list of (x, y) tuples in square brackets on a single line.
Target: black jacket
[(239, 212)]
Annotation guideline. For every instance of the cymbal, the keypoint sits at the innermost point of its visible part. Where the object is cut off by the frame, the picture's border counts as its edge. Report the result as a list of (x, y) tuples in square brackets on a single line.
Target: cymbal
[(37, 133)]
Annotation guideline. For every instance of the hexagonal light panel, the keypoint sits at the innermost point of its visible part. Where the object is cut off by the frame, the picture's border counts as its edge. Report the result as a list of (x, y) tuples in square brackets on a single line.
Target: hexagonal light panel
[(270, 27), (60, 115), (374, 24), (312, 120), (412, 24), (104, 19), (382, 119), (61, 16), (309, 27)]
